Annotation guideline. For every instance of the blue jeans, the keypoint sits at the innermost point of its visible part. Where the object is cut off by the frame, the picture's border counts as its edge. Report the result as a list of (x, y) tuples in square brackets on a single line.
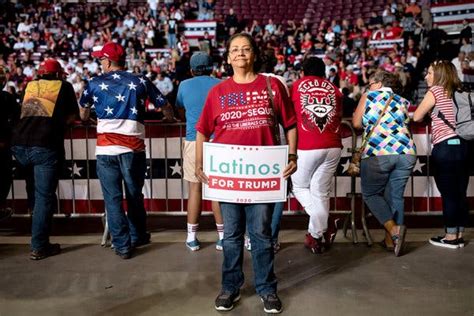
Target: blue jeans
[(452, 178), (383, 181), (44, 162), (112, 170), (276, 220), (258, 218)]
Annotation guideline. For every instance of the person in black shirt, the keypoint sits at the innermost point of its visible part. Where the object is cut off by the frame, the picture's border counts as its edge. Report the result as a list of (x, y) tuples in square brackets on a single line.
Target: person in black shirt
[(49, 104), (10, 112)]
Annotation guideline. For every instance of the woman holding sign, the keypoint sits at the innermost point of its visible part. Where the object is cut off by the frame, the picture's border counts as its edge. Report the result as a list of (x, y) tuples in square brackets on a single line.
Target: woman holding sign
[(240, 111)]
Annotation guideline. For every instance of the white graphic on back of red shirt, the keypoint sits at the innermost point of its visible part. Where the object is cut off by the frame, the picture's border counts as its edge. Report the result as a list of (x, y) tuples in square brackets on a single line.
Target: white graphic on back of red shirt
[(316, 111)]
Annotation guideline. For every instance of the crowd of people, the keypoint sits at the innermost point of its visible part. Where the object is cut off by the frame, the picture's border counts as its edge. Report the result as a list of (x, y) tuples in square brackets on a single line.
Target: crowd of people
[(69, 32), (315, 77)]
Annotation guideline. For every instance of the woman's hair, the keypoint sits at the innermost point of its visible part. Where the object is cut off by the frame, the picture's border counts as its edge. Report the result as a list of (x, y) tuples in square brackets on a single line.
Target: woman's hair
[(257, 65), (446, 76), (388, 80)]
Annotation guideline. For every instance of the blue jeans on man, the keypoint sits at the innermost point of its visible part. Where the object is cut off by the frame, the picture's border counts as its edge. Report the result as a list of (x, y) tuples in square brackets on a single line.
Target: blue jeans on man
[(44, 162), (383, 181), (258, 219), (129, 168)]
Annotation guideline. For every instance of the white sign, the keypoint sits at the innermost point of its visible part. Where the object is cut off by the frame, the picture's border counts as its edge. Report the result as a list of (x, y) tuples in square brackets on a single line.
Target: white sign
[(245, 174)]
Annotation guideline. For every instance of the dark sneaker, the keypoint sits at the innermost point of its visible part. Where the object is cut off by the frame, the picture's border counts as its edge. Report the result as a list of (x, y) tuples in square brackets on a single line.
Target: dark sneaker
[(50, 250), (225, 300), (271, 304), (315, 245), (145, 240), (125, 255), (330, 234), (461, 242), (5, 213), (440, 241)]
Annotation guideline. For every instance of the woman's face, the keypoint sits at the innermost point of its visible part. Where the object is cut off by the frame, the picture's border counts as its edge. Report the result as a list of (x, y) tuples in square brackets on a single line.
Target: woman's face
[(241, 54), (429, 77)]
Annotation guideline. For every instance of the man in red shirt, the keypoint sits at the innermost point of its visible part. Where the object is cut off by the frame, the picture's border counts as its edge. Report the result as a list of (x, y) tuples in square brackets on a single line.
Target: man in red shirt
[(318, 107)]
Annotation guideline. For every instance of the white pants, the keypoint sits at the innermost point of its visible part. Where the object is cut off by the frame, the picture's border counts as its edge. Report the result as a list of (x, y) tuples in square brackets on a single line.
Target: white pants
[(312, 185)]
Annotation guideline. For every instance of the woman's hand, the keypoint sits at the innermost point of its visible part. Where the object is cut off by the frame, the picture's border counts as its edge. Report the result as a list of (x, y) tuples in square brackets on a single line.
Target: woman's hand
[(290, 169), (200, 175)]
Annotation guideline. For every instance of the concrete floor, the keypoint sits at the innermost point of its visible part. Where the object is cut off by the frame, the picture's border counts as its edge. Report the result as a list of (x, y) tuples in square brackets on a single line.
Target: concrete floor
[(164, 278)]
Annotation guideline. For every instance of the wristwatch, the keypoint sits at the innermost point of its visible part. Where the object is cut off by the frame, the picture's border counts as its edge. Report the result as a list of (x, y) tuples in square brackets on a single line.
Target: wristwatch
[(292, 157)]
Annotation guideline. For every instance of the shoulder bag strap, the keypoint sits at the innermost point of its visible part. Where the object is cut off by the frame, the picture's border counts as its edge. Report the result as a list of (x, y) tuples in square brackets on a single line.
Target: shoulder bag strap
[(276, 129)]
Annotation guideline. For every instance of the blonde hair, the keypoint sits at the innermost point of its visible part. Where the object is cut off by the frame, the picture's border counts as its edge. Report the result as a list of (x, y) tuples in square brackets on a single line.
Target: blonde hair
[(446, 76)]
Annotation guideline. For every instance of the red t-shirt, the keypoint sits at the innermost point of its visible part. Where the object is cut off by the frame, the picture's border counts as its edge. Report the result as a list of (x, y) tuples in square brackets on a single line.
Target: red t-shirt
[(318, 107), (241, 114)]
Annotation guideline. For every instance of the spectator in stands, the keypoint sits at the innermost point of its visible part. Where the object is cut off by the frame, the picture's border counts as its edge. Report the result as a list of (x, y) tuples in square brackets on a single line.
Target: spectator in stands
[(119, 100), (270, 27), (242, 54), (466, 46), (192, 94), (163, 83), (318, 113), (413, 8), (457, 62), (466, 32), (153, 6), (450, 152), (385, 169), (348, 103), (10, 114), (48, 105), (231, 20)]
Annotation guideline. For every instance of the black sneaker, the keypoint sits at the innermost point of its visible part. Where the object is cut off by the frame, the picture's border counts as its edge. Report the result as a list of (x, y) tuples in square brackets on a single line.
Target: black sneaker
[(440, 241), (461, 242), (5, 213), (271, 304), (124, 255), (225, 300), (50, 250), (145, 240)]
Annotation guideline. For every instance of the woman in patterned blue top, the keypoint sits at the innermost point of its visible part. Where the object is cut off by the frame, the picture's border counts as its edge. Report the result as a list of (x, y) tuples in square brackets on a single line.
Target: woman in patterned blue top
[(389, 155)]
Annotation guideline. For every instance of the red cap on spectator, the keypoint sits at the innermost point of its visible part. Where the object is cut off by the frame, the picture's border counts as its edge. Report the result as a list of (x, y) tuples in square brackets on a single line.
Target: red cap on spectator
[(50, 66), (112, 51)]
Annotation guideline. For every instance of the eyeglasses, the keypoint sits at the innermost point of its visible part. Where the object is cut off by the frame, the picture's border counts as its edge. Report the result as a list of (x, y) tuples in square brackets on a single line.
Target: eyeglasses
[(236, 50), (370, 84)]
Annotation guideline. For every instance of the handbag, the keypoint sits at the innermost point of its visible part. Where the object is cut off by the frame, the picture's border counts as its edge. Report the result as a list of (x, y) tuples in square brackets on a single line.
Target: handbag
[(354, 166), (276, 128)]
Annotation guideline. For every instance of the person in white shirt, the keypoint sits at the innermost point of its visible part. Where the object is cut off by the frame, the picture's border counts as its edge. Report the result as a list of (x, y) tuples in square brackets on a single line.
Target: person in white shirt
[(91, 65), (457, 62), (163, 83), (129, 22), (153, 5)]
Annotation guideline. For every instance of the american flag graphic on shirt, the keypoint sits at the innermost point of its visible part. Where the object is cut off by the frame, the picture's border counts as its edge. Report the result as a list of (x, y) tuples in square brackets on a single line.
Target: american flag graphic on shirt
[(118, 99)]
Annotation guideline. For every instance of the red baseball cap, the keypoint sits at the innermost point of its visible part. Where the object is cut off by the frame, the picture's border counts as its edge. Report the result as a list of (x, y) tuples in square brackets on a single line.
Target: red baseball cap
[(50, 66), (110, 50)]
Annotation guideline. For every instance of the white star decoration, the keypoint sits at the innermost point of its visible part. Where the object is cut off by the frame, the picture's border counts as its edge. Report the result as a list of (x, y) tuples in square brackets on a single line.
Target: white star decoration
[(142, 80), (103, 86), (120, 98), (346, 165), (95, 98), (85, 92), (418, 166), (75, 170), (116, 76), (176, 169), (109, 110), (132, 86), (134, 110)]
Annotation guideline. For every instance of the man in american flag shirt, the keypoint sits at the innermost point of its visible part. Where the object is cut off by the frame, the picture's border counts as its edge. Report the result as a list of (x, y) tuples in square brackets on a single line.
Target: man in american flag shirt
[(118, 98)]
